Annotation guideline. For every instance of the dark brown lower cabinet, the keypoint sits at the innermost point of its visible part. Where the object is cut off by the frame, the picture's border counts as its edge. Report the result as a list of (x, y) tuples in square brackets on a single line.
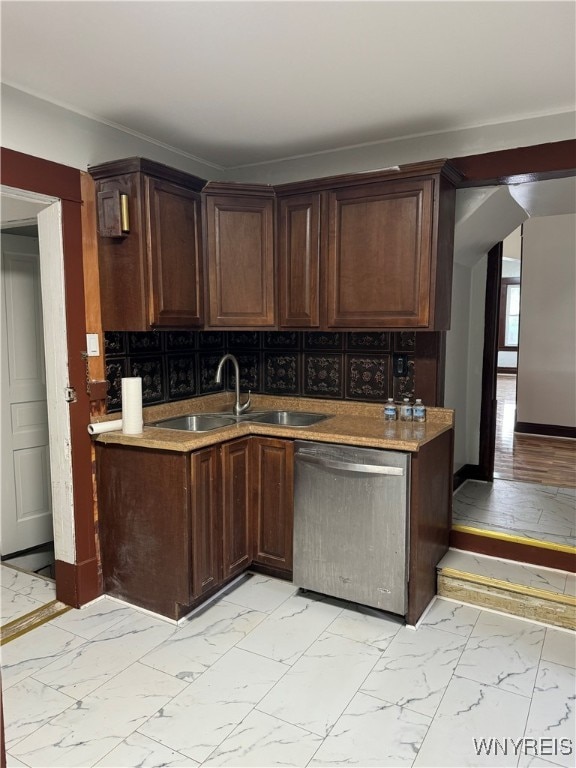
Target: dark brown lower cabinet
[(144, 504), (237, 534), (206, 521), (175, 527), (273, 502)]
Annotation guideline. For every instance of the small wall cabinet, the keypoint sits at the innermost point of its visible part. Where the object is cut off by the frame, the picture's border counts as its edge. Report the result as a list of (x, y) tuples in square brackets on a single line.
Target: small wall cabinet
[(150, 264)]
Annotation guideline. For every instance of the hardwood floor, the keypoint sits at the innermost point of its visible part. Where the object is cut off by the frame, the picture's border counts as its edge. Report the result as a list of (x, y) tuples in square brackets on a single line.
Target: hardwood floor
[(529, 458)]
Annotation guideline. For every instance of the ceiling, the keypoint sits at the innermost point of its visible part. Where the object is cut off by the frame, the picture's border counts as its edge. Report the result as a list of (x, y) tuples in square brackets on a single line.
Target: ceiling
[(239, 83)]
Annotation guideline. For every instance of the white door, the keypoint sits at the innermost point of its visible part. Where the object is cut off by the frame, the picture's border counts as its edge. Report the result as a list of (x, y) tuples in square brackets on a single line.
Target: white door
[(26, 513)]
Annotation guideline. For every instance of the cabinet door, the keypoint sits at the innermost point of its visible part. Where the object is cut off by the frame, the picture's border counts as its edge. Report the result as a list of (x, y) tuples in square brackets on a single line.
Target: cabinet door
[(206, 522), (240, 256), (273, 484), (299, 260), (237, 533), (379, 255), (174, 254)]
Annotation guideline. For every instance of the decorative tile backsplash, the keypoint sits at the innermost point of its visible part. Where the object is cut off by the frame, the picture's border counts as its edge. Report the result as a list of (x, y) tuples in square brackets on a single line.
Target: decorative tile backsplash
[(176, 365)]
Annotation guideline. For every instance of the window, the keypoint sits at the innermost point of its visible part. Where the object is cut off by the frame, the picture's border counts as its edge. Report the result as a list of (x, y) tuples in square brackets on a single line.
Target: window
[(509, 313)]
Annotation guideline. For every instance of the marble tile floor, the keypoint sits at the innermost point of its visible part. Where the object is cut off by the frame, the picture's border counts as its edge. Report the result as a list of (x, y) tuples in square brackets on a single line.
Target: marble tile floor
[(22, 592), (270, 676), (529, 510)]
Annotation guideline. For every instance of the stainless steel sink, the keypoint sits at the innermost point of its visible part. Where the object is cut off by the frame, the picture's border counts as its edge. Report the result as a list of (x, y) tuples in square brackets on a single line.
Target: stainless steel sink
[(202, 422), (290, 418)]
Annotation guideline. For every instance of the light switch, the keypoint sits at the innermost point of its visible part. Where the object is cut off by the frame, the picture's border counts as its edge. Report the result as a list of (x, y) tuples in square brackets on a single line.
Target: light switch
[(92, 345)]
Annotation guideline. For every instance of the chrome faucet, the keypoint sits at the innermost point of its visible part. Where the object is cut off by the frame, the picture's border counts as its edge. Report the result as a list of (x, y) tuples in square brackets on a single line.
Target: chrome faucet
[(238, 407)]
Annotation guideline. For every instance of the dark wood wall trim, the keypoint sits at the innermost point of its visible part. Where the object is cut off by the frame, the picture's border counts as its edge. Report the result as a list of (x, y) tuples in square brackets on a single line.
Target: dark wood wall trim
[(513, 166), (429, 367), (34, 174), (466, 472), (549, 430), (42, 176), (78, 584), (488, 401), (511, 550)]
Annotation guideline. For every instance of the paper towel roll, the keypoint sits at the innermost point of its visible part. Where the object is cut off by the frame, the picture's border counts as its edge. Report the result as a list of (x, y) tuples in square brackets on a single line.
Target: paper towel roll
[(104, 426), (132, 406)]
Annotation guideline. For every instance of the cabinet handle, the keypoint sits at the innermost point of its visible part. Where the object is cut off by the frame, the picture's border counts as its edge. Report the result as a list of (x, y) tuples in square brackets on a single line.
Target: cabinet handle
[(124, 214)]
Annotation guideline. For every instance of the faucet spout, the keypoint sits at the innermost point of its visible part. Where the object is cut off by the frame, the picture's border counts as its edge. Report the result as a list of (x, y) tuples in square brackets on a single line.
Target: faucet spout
[(238, 406)]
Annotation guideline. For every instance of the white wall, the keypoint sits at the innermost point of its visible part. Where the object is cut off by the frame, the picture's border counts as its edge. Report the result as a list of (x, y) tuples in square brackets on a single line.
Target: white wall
[(41, 129), (38, 128), (456, 386), (547, 349), (472, 141), (464, 349), (475, 357)]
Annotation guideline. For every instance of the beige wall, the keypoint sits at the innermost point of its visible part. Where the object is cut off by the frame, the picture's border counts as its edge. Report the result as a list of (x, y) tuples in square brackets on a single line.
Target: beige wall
[(547, 350)]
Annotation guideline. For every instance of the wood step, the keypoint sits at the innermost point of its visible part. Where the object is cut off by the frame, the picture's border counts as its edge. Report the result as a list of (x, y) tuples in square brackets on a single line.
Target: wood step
[(509, 587)]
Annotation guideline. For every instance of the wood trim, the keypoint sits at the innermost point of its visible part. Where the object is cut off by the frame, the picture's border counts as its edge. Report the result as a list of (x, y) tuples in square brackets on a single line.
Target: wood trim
[(238, 189), (466, 472), (429, 367), (78, 584), (549, 430), (34, 174), (513, 166), (150, 168), (488, 403), (96, 365), (409, 171), (520, 589), (511, 550)]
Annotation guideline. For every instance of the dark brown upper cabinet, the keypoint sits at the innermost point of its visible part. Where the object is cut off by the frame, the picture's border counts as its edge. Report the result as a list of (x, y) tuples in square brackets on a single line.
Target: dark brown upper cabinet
[(368, 251), (149, 246), (299, 253), (239, 236)]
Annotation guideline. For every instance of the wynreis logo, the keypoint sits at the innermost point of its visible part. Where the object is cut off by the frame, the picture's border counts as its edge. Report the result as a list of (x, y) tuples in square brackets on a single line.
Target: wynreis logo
[(543, 747)]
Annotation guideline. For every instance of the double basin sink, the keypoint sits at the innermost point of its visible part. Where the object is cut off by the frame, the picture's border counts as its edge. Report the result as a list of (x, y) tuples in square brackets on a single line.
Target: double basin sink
[(204, 422)]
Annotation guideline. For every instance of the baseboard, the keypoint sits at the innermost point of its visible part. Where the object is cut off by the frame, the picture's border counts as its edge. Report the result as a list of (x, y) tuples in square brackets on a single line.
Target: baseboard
[(467, 472), (547, 430), (78, 583)]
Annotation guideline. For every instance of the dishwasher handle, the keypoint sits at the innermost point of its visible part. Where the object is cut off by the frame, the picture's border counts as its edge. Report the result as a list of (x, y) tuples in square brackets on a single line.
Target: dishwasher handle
[(370, 469)]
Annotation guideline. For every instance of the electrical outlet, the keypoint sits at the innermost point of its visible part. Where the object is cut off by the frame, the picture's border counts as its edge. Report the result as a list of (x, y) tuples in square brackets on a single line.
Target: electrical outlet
[(400, 365)]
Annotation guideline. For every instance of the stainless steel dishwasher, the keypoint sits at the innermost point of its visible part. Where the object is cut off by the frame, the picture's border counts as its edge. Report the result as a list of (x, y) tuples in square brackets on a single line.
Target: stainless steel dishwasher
[(351, 523)]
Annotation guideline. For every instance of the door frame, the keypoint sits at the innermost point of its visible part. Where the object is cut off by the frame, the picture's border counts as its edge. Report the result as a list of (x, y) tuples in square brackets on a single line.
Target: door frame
[(77, 574), (509, 166)]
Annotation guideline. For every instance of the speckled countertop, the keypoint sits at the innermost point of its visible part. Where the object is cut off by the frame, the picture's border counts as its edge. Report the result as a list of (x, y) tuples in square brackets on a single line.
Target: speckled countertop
[(350, 423)]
